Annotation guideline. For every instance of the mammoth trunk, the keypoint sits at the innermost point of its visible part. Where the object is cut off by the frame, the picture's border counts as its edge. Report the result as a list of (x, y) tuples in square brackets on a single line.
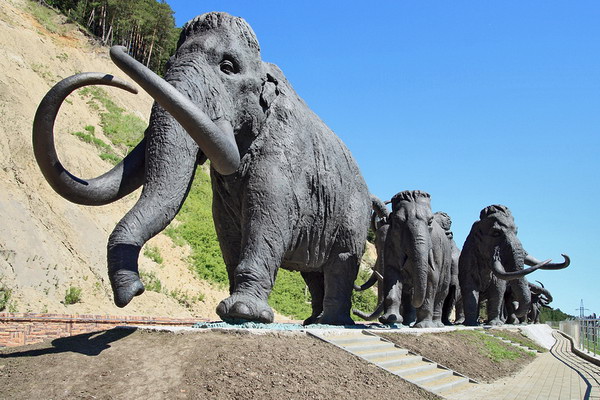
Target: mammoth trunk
[(522, 295), (422, 264)]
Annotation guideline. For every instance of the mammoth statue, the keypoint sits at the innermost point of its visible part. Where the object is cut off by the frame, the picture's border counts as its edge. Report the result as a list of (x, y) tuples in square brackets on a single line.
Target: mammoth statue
[(491, 258), (379, 225), (418, 258), (540, 297), (286, 190), (454, 298)]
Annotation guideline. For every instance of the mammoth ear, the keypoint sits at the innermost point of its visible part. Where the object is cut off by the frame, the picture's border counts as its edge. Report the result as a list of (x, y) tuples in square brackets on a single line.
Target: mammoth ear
[(269, 92)]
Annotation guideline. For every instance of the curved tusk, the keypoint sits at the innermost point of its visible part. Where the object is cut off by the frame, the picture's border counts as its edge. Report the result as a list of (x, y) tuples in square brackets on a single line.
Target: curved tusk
[(498, 270), (369, 317), (218, 145), (123, 179), (530, 260)]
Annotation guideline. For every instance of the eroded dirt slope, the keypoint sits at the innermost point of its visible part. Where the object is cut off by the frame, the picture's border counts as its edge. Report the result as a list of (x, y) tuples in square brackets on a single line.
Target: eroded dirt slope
[(129, 364)]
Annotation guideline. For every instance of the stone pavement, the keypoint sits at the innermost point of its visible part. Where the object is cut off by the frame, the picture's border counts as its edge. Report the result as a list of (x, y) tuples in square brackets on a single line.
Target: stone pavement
[(557, 375)]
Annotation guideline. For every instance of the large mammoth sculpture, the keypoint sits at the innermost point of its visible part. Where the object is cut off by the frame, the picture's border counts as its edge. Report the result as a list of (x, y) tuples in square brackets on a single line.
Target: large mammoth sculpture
[(454, 298), (286, 190), (492, 256), (418, 259)]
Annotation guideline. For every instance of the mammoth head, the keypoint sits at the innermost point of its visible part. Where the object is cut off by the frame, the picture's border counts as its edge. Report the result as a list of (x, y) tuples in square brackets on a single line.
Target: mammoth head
[(216, 87), (409, 238), (218, 66), (494, 238)]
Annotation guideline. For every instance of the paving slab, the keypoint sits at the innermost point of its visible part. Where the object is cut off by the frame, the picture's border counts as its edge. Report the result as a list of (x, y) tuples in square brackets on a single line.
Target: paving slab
[(557, 375)]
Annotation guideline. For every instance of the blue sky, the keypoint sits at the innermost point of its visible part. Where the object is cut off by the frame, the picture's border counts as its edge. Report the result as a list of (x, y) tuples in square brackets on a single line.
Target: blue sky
[(477, 103)]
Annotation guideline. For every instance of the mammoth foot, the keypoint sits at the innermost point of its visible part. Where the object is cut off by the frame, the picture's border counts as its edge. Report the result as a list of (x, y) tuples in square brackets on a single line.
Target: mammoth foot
[(495, 322), (390, 318), (126, 284), (428, 324), (335, 320), (245, 307)]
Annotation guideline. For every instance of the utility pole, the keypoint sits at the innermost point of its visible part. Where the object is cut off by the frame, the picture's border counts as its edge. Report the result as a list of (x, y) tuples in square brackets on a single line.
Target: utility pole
[(582, 310)]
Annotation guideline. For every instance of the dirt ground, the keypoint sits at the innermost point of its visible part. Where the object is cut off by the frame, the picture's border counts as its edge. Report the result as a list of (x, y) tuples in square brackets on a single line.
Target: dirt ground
[(462, 352), (125, 363)]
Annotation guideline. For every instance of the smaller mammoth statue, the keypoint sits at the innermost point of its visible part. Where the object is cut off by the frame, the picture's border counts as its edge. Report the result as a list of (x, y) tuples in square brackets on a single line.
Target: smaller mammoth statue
[(417, 262), (454, 298), (379, 225), (540, 297), (491, 258)]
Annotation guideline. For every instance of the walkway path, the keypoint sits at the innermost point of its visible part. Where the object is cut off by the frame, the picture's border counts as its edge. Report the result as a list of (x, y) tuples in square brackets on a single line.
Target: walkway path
[(557, 375)]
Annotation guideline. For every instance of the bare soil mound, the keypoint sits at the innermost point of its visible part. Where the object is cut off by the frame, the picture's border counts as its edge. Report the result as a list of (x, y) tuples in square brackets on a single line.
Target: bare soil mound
[(123, 363), (466, 352)]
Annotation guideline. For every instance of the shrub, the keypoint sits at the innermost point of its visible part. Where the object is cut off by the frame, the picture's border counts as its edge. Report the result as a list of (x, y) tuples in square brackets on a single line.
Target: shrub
[(73, 295), (5, 294)]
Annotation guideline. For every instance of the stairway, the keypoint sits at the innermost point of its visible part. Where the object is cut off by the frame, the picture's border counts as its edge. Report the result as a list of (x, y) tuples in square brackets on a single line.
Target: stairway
[(519, 345), (409, 366)]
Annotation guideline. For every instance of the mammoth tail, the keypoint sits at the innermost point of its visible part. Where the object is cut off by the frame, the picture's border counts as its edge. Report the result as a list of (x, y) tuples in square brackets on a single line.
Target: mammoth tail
[(370, 317), (123, 179)]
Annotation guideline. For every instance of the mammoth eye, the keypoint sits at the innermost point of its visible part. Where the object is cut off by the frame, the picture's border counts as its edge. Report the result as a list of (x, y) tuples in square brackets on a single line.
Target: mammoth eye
[(496, 233), (228, 67)]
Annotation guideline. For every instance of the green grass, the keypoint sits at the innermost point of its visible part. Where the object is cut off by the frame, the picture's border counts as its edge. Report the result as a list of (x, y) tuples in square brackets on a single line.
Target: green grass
[(493, 348), (46, 17), (73, 295), (42, 72), (153, 253), (289, 296), (151, 281), (519, 338), (196, 228), (124, 130), (185, 299), (588, 343), (5, 295)]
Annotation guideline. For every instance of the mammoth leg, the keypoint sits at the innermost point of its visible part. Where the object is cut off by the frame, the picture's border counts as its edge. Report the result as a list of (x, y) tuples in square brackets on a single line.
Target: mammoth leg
[(470, 297), (449, 302), (392, 290), (262, 246), (316, 286), (170, 166), (339, 276), (496, 302)]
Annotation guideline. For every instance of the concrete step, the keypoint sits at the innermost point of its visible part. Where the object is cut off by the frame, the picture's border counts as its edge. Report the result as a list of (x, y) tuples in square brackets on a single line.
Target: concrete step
[(414, 367), (377, 355), (402, 359), (428, 375), (444, 383), (457, 389), (368, 348)]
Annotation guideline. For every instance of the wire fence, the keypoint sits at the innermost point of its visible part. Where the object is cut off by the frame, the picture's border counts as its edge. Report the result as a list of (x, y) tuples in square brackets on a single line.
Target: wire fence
[(585, 332), (589, 335)]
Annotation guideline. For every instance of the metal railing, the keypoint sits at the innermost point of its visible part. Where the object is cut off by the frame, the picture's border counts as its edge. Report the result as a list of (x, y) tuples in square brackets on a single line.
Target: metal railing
[(589, 335)]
